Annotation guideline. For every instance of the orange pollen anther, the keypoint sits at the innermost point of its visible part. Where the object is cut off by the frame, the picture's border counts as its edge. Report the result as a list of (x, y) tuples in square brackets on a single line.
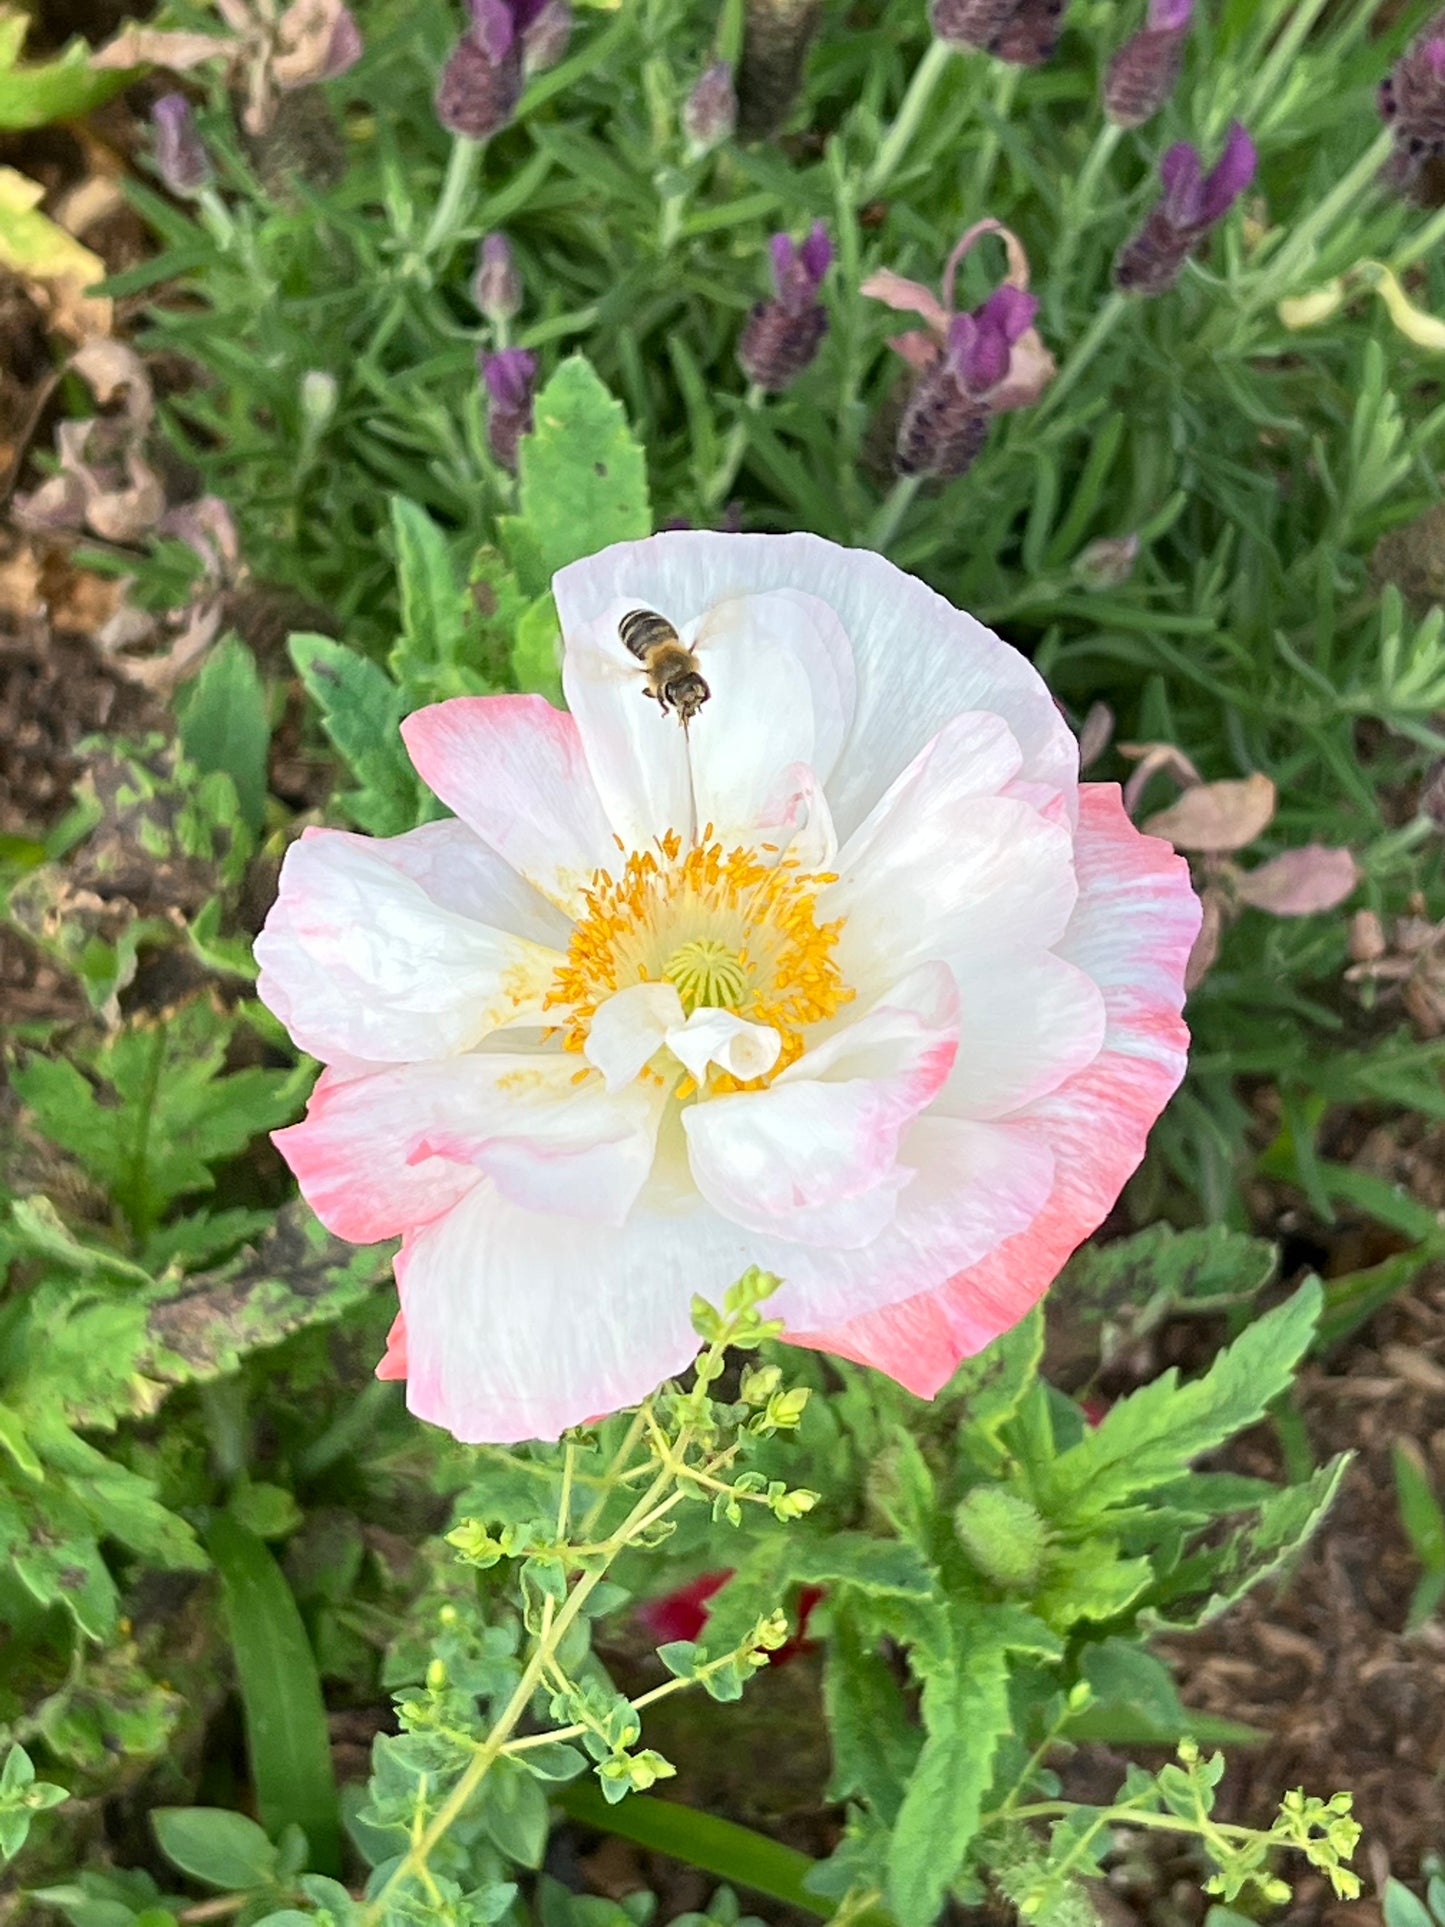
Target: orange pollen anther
[(762, 912)]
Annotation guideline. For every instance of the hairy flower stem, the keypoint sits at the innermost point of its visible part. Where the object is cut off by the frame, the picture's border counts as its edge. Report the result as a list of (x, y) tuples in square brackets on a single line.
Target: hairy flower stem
[(886, 523), (458, 186), (734, 448), (914, 105)]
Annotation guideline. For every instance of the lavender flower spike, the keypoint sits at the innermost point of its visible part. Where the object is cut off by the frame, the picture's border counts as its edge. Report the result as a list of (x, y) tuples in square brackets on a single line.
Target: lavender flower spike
[(181, 160), (1142, 74), (782, 336), (1412, 104), (948, 413), (482, 80), (1024, 32), (1191, 204), (510, 379)]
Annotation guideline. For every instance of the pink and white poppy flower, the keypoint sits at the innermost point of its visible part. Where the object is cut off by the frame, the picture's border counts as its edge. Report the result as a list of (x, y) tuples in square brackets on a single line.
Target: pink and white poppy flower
[(852, 979)]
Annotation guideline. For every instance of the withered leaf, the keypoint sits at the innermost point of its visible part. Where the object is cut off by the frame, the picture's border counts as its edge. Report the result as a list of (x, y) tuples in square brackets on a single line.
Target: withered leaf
[(1217, 817)]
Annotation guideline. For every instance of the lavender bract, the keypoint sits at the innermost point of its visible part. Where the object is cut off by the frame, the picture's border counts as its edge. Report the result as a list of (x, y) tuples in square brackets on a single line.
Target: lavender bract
[(1022, 32), (1191, 204), (485, 72), (510, 378), (776, 38), (782, 336), (180, 156), (947, 416), (1142, 74)]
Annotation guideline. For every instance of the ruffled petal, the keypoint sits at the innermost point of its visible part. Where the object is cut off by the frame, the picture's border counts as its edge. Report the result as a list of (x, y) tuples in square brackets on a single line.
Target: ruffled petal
[(512, 768), (721, 1037), (629, 1029), (919, 661), (828, 1129), (372, 950), (945, 867), (520, 1324), (1132, 932), (376, 1156), (1026, 1022)]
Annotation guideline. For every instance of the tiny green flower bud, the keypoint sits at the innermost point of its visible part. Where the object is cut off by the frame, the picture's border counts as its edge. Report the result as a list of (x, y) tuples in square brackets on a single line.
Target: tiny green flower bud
[(318, 400), (436, 1676)]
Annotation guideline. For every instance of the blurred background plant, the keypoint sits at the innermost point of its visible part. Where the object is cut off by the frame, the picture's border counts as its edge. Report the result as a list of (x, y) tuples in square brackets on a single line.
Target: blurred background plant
[(1073, 312)]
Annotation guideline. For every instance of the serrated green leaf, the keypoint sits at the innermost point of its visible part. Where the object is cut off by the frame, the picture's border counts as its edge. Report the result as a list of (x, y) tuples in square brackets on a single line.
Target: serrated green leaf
[(1153, 1435), (1161, 1270), (361, 711), (583, 478), (537, 650), (875, 1745), (224, 726), (883, 1568), (429, 658)]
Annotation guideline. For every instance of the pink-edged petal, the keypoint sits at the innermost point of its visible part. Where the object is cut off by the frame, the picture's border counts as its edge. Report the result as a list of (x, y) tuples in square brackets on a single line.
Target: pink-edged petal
[(393, 1359), (828, 1129), (969, 1186), (1132, 933), (780, 676), (710, 1036), (945, 867), (363, 958), (1026, 1022), (630, 1029), (795, 821), (380, 1155), (520, 1324), (919, 661), (512, 768)]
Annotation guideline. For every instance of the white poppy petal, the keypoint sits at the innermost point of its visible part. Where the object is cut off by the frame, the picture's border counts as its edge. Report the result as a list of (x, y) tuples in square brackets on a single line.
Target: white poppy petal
[(361, 960), (712, 1036), (629, 1029), (1026, 1023)]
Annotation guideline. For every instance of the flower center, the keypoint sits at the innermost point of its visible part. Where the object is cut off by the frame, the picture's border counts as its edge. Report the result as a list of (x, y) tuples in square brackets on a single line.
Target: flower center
[(730, 929), (707, 972)]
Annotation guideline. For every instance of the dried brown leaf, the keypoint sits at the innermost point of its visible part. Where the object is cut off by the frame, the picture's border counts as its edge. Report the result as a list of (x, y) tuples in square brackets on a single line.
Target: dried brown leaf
[(1300, 883), (1216, 817)]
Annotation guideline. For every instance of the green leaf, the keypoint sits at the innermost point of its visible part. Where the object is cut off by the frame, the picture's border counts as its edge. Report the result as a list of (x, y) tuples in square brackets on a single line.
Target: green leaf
[(286, 1736), (990, 1386), (875, 1745), (513, 1810), (217, 1847), (64, 88), (1424, 1524), (1210, 1581), (965, 1713), (583, 479), (1145, 1278), (361, 711), (1154, 1434), (224, 726), (537, 651), (429, 658), (882, 1568)]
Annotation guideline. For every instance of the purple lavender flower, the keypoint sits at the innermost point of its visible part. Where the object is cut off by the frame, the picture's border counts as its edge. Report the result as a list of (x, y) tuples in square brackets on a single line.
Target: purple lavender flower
[(948, 413), (510, 377), (782, 336), (1023, 32), (482, 80), (181, 160), (710, 112), (1191, 204), (496, 284), (1412, 104), (1142, 73)]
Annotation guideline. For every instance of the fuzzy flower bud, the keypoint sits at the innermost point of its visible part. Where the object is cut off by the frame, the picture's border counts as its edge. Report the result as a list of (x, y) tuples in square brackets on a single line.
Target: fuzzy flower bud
[(710, 112), (1191, 204), (776, 38), (948, 413), (1142, 73), (545, 37), (1023, 32), (496, 284), (510, 379), (782, 336), (1412, 104), (181, 160)]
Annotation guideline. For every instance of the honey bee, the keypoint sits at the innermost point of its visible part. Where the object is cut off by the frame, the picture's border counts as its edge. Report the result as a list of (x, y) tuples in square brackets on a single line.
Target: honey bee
[(674, 680)]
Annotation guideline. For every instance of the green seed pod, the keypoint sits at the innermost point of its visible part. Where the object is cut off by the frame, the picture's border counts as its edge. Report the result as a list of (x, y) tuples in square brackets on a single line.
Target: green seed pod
[(1004, 1537)]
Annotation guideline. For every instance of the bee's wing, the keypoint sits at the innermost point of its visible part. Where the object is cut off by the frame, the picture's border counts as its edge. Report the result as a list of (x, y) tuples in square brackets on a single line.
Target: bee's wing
[(715, 627), (602, 650)]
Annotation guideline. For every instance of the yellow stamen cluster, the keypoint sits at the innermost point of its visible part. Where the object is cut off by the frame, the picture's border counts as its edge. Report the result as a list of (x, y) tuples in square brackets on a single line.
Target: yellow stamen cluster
[(734, 929)]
